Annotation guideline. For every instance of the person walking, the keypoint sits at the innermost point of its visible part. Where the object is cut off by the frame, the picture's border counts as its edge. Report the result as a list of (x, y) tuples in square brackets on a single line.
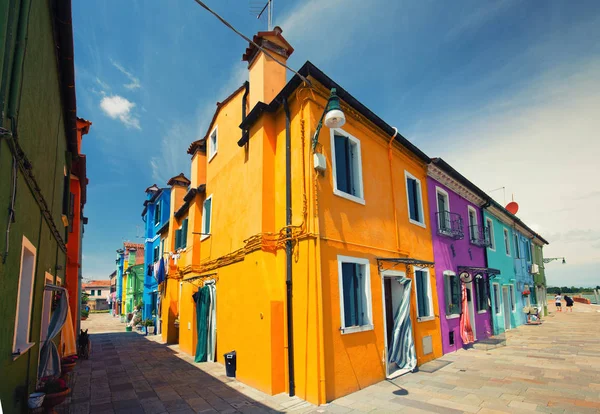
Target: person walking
[(557, 302), (569, 301)]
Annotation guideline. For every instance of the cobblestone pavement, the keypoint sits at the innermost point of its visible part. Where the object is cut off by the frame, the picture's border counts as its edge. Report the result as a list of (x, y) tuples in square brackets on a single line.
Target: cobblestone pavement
[(554, 367)]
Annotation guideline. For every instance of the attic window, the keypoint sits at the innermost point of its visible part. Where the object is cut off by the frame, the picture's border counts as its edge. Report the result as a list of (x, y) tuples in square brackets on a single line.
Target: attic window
[(213, 143)]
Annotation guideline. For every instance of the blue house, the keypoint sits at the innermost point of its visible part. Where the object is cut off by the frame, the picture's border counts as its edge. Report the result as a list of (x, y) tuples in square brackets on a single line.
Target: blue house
[(155, 216), (120, 264), (511, 253)]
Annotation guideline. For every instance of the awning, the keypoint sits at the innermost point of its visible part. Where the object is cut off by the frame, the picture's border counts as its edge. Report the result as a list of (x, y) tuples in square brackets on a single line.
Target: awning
[(392, 262), (467, 273)]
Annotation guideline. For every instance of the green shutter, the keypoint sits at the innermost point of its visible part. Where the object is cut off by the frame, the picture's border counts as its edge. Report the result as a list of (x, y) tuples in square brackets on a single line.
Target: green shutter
[(184, 229)]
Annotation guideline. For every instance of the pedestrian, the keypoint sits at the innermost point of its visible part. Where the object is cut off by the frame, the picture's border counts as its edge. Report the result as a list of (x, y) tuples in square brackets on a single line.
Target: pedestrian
[(569, 301), (557, 302)]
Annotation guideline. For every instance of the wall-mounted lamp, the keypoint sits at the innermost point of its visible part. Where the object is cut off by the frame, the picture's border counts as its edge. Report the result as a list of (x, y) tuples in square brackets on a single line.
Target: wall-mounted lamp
[(551, 259), (333, 115)]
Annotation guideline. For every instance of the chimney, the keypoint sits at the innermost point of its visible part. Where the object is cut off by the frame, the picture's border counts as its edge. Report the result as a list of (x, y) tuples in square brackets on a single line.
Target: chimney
[(267, 77)]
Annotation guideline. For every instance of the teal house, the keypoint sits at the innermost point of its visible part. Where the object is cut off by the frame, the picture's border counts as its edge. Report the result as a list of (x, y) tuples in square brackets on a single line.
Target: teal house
[(512, 253)]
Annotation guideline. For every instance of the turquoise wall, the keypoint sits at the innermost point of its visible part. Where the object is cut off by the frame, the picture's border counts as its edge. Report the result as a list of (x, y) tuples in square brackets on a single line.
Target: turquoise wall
[(498, 259)]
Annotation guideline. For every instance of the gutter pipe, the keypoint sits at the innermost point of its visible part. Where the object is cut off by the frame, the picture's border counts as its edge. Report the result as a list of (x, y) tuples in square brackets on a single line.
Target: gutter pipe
[(288, 247)]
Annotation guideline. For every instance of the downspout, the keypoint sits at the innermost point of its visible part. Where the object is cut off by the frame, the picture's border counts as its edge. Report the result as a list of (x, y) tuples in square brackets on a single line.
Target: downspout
[(19, 60), (8, 33), (487, 264), (397, 232), (288, 246)]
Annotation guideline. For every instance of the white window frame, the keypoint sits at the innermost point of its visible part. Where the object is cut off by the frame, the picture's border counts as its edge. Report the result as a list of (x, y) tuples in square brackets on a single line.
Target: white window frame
[(206, 232), (439, 190), (447, 273), (46, 309), (408, 175), (367, 286), (490, 223), (213, 148), (23, 322), (429, 296), (497, 296), (336, 191), (159, 207), (506, 241)]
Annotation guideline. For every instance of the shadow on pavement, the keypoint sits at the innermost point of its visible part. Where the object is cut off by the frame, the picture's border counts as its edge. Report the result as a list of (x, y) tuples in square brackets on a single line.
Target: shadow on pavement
[(128, 373)]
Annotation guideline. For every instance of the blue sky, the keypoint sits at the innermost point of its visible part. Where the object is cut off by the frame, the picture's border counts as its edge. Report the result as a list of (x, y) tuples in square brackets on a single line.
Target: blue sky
[(506, 91)]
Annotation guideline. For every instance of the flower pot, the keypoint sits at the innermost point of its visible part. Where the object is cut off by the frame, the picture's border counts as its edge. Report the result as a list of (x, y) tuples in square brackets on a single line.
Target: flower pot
[(65, 368), (128, 329), (150, 330), (35, 400), (52, 400), (83, 318)]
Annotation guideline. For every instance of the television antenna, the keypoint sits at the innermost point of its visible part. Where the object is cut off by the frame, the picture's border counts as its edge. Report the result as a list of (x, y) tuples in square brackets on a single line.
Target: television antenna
[(260, 8), (503, 193)]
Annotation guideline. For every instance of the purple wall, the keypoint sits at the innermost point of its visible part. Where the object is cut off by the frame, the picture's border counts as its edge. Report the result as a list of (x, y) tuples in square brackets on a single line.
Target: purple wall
[(446, 260)]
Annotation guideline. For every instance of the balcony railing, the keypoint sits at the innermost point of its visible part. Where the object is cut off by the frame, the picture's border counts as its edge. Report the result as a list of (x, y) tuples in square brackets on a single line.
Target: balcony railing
[(450, 225), (480, 235)]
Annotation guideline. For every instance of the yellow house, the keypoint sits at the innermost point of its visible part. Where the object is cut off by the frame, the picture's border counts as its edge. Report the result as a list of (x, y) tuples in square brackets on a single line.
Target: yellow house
[(316, 245)]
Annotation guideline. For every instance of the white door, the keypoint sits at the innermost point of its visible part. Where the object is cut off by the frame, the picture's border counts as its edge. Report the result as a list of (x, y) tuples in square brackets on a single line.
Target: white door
[(471, 306), (506, 307)]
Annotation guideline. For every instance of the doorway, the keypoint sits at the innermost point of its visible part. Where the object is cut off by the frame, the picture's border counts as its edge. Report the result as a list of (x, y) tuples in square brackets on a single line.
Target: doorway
[(399, 343), (506, 307), (471, 307)]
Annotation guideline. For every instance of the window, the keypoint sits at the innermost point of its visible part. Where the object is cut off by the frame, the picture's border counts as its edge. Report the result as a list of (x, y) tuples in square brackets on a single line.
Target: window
[(453, 294), (157, 214), (181, 235), (511, 297), (347, 168), (24, 299), (162, 247), (490, 226), (156, 254), (443, 206), (99, 292), (415, 201), (506, 243), (482, 297), (517, 250), (424, 301), (355, 294), (213, 143), (497, 298), (206, 218), (528, 251), (473, 230), (92, 292), (46, 310)]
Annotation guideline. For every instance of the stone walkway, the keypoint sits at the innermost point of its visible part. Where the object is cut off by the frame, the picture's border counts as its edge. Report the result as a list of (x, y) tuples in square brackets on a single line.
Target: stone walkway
[(551, 368)]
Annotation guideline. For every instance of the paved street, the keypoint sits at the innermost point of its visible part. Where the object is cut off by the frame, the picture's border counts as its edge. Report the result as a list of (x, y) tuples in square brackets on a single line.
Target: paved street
[(551, 368)]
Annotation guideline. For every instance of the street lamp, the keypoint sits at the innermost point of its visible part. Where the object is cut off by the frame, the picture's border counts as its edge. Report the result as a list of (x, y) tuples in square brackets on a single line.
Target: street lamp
[(333, 115), (551, 259)]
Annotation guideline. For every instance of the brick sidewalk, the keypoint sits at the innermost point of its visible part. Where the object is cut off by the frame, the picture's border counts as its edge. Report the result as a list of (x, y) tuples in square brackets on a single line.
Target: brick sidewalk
[(551, 368)]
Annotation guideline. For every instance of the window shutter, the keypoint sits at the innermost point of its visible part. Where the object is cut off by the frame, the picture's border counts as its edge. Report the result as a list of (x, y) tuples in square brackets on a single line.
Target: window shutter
[(349, 285), (184, 228), (177, 239)]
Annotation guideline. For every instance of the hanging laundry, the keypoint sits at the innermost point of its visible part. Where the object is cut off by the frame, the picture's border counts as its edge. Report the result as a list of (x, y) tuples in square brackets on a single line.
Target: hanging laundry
[(160, 275), (202, 300)]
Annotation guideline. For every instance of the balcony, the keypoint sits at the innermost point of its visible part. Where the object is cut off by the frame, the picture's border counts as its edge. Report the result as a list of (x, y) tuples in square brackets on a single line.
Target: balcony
[(450, 225), (480, 235)]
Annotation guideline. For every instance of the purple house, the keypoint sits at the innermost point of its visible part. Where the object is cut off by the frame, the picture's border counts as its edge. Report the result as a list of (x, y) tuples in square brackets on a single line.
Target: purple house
[(460, 237)]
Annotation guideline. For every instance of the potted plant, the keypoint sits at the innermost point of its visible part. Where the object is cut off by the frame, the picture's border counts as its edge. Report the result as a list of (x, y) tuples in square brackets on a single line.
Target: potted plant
[(84, 314), (68, 364), (526, 293), (149, 325), (56, 391)]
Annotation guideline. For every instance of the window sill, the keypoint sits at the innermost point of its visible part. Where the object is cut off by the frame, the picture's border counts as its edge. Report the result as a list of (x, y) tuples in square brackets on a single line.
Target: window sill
[(491, 249), (353, 329), (212, 156), (425, 318), (204, 237), (418, 223), (481, 312), (453, 316), (24, 348), (347, 196)]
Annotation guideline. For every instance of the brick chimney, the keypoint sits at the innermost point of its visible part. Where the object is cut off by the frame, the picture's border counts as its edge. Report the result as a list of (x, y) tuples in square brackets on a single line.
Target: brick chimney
[(267, 77)]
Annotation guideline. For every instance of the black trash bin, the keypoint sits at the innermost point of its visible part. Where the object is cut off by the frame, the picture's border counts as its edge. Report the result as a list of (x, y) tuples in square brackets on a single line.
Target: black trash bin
[(230, 363)]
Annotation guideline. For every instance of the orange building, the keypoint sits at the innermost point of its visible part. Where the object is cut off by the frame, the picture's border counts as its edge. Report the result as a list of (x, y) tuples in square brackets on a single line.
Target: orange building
[(76, 199), (314, 245)]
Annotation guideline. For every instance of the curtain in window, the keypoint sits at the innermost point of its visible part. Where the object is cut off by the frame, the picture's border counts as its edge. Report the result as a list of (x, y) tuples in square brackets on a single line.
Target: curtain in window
[(49, 357), (466, 330), (402, 352)]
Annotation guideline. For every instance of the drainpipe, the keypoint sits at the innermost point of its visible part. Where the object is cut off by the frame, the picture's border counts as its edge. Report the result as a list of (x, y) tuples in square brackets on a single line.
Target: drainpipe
[(8, 33), (288, 246), (19, 59), (487, 285)]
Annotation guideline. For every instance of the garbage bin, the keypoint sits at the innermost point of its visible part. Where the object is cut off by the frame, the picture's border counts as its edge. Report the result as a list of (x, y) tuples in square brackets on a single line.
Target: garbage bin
[(230, 359)]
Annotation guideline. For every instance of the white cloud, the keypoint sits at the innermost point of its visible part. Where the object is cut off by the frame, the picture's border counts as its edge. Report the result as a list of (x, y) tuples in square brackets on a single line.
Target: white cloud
[(541, 143), (117, 107), (173, 157), (134, 82)]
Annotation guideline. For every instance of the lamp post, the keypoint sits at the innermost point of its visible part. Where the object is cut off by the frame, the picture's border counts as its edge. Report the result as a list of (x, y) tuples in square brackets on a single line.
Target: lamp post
[(551, 259), (333, 115)]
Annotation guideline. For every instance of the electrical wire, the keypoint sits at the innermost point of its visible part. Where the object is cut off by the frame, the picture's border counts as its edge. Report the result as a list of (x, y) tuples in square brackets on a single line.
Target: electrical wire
[(226, 23)]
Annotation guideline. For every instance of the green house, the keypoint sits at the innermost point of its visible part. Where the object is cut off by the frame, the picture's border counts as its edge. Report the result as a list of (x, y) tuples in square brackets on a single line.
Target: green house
[(135, 287)]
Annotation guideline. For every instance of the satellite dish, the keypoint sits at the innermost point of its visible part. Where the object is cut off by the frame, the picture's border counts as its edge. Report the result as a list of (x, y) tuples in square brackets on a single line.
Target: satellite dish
[(512, 207)]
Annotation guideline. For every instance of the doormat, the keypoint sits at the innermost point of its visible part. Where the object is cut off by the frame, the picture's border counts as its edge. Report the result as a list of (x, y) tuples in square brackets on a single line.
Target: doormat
[(434, 365)]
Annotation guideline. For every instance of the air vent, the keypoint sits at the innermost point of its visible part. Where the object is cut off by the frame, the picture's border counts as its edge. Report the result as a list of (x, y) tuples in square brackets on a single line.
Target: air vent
[(427, 345)]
